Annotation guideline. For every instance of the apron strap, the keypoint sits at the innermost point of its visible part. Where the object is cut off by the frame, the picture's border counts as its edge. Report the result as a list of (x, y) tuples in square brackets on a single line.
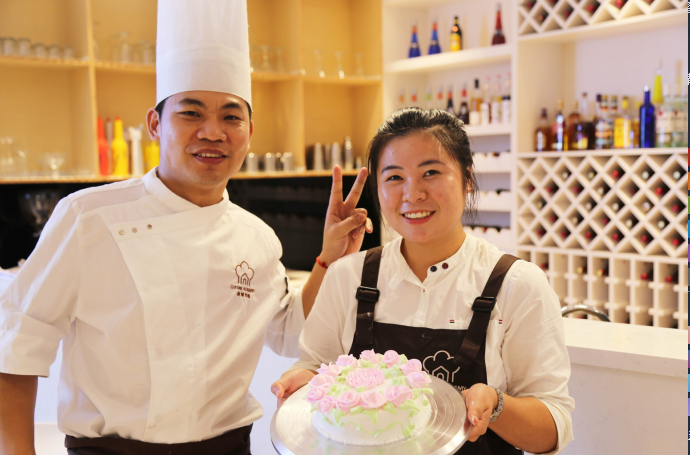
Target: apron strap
[(482, 308), (367, 296)]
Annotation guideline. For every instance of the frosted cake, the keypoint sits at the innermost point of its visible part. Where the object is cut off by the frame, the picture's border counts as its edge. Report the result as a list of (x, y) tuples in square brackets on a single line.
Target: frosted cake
[(374, 400)]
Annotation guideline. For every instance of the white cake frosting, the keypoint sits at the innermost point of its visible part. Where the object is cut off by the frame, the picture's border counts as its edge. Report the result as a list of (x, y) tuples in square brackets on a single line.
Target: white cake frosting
[(376, 400)]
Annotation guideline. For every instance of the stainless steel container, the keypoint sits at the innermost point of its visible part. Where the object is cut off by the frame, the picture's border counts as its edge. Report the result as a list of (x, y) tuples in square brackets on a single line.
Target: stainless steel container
[(251, 162)]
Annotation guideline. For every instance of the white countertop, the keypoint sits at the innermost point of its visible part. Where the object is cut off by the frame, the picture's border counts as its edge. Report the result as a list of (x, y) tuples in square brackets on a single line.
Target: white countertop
[(627, 347)]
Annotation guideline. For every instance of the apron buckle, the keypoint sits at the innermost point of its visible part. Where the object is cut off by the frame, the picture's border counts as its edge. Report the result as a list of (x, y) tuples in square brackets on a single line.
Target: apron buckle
[(484, 304), (368, 295)]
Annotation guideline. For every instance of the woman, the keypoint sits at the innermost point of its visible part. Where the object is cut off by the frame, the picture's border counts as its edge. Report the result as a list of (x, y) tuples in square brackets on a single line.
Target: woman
[(510, 349)]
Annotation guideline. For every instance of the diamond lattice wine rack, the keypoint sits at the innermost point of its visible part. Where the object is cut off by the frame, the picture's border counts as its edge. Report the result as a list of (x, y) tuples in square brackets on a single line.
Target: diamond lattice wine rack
[(610, 230), (543, 16)]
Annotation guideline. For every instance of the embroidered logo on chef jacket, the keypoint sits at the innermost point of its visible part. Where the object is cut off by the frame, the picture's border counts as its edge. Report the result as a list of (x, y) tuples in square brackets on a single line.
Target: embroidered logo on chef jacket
[(244, 280), (441, 366)]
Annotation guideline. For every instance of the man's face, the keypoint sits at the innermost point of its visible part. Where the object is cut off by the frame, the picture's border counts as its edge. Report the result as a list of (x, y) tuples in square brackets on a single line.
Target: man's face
[(204, 137)]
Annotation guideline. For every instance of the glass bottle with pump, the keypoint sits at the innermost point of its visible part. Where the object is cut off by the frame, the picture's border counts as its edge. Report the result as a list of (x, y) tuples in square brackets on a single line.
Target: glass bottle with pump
[(542, 135)]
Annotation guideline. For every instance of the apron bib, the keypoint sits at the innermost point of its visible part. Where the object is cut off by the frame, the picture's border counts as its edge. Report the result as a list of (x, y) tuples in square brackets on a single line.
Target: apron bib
[(456, 356)]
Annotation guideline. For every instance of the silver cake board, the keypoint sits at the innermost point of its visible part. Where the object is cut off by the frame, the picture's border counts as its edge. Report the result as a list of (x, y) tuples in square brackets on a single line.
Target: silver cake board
[(293, 434)]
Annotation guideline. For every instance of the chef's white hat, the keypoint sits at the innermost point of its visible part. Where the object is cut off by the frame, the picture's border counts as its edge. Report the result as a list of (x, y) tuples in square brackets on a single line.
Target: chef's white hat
[(202, 45)]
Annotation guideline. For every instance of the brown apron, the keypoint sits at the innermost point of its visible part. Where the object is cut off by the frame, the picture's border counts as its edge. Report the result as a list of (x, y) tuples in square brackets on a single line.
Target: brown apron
[(456, 356), (234, 442)]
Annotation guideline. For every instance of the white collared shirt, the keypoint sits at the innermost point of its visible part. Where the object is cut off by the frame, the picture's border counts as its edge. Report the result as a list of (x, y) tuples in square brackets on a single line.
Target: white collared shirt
[(169, 369), (525, 355)]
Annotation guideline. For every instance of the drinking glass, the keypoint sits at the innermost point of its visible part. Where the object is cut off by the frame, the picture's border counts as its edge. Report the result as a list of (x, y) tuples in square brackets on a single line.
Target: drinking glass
[(265, 58), (68, 52), (339, 73), (278, 65), (39, 50), (9, 46), (24, 47), (359, 65), (7, 162), (37, 207), (53, 162), (54, 51), (318, 66)]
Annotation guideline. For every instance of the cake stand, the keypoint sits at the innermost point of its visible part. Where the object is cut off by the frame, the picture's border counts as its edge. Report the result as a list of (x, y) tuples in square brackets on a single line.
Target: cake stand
[(293, 434)]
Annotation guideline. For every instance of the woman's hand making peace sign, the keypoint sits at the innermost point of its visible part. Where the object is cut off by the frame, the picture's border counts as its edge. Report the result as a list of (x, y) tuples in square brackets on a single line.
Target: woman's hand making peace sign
[(345, 225)]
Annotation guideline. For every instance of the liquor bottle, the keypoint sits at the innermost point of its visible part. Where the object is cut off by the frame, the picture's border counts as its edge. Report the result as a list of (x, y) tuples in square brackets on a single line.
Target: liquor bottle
[(496, 101), (476, 105), (604, 271), (680, 110), (464, 112), (664, 121), (612, 113), (542, 135), (658, 94), (120, 151), (505, 104), (449, 104), (434, 46), (647, 122), (635, 126), (413, 97), (414, 44), (646, 276), (499, 37), (429, 97), (440, 102), (103, 158), (559, 139), (672, 278), (573, 120), (455, 36), (622, 127), (602, 127), (486, 101)]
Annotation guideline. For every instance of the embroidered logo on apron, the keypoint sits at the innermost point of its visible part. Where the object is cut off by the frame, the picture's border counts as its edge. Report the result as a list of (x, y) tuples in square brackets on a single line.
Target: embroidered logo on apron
[(441, 365), (244, 279)]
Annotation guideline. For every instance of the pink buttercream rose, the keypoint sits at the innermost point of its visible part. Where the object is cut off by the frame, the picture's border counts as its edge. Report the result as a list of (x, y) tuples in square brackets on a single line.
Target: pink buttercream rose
[(370, 356), (326, 404), (373, 400), (315, 394), (391, 358), (330, 369), (410, 367), (365, 377), (322, 381), (347, 400), (418, 379), (347, 361), (399, 394)]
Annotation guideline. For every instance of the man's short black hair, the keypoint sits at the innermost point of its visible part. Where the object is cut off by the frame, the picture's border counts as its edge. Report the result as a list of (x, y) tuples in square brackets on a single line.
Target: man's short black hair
[(161, 105)]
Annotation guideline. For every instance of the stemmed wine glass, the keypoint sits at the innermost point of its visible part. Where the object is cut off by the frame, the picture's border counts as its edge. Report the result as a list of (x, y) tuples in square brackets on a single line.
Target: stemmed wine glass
[(37, 207)]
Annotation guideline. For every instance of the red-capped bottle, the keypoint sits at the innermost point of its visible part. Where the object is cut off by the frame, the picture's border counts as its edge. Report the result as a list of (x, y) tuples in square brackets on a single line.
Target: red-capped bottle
[(541, 232), (103, 155), (499, 37), (589, 235), (592, 7), (552, 219), (605, 220), (616, 174), (581, 270), (604, 271), (544, 266), (677, 241), (565, 233), (672, 278), (645, 238), (660, 190), (646, 276), (616, 236), (577, 189)]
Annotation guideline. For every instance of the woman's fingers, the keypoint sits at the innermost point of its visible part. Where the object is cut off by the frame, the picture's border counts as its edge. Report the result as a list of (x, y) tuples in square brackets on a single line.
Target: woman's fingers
[(357, 188)]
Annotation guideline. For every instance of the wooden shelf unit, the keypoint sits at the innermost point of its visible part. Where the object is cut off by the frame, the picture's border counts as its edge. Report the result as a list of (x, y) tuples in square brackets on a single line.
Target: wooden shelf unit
[(292, 109)]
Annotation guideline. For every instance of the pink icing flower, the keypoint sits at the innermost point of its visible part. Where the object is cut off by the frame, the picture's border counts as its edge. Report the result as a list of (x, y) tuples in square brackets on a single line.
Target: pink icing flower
[(347, 361), (373, 400), (326, 404), (399, 394), (330, 369), (365, 377), (315, 394), (418, 379), (410, 367), (370, 356), (391, 358), (348, 400), (322, 381)]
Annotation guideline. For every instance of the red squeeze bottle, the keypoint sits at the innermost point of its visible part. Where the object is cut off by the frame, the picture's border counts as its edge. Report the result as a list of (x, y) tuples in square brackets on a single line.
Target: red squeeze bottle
[(103, 158)]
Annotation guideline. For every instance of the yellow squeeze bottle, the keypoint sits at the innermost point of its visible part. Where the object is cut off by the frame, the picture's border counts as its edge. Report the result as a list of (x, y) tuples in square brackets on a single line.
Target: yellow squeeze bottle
[(152, 156), (120, 151)]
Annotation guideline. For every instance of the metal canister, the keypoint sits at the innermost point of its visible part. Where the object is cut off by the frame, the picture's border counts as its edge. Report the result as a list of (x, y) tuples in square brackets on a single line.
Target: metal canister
[(9, 46), (288, 164), (336, 157), (318, 157), (54, 51), (269, 162), (251, 162), (24, 47), (39, 50)]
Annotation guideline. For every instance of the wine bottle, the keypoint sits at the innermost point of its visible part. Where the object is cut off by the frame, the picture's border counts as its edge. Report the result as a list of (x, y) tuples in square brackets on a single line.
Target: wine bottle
[(590, 175), (675, 208), (540, 204), (455, 36), (647, 122), (672, 278), (605, 220), (677, 175), (589, 235), (616, 174), (633, 189), (551, 189), (630, 222), (499, 37), (660, 191), (565, 233), (615, 206), (531, 188), (542, 135), (677, 241), (602, 190), (434, 46), (646, 276), (615, 236), (464, 112), (602, 271), (552, 219), (577, 189), (575, 220), (645, 175), (644, 238), (592, 7), (646, 206), (565, 175), (589, 206), (580, 270), (544, 266), (661, 224), (541, 232), (449, 104), (414, 44)]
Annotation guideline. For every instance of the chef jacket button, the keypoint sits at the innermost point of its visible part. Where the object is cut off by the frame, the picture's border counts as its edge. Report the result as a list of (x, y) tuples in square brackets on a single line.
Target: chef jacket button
[(122, 232), (445, 265), (433, 268), (134, 230)]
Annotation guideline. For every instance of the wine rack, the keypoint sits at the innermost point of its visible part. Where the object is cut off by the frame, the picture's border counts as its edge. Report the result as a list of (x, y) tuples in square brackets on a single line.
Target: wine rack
[(610, 230), (544, 16)]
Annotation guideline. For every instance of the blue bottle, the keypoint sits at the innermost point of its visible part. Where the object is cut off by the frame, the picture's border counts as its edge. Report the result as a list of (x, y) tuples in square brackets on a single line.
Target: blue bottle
[(647, 122), (434, 47), (414, 45)]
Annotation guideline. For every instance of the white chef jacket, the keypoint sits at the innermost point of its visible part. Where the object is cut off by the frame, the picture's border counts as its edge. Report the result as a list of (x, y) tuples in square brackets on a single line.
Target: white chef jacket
[(525, 345), (163, 307)]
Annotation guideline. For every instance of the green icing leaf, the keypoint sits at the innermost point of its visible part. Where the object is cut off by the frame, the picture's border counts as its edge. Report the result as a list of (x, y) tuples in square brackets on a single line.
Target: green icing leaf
[(413, 413), (373, 414), (416, 393), (397, 381), (328, 420), (425, 402), (340, 379), (428, 391), (403, 359), (333, 389), (377, 433), (390, 407), (356, 410), (361, 389), (408, 431), (314, 406), (358, 428), (409, 404), (337, 415), (366, 364), (345, 371)]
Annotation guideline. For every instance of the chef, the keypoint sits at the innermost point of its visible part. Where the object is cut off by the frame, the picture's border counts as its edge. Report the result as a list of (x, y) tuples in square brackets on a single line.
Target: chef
[(161, 289)]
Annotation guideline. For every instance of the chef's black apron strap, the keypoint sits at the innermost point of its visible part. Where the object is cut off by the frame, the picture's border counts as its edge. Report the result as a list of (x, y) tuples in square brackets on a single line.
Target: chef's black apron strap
[(482, 308), (367, 296)]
